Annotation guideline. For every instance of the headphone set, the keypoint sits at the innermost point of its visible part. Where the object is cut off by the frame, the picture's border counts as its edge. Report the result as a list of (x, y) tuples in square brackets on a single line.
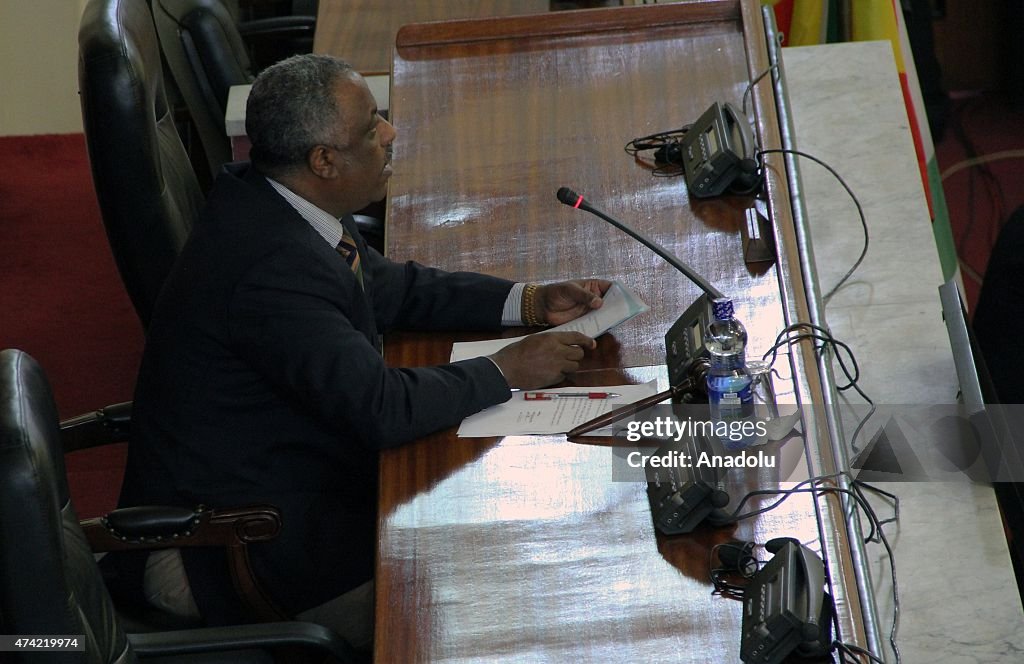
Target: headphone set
[(735, 558), (668, 155)]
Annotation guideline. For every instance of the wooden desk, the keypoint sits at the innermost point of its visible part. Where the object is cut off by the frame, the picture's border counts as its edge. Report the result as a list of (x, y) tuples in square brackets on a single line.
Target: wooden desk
[(522, 548), (363, 31)]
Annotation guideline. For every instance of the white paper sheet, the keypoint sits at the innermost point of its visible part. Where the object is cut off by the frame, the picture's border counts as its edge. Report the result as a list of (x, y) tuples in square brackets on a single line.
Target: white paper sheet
[(620, 304), (518, 416)]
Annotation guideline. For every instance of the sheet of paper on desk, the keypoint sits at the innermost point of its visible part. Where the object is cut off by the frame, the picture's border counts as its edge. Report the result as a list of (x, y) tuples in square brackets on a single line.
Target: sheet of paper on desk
[(620, 304), (519, 417)]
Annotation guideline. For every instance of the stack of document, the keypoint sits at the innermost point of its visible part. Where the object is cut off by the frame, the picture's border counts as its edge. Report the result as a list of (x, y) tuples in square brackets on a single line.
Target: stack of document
[(556, 414), (561, 409)]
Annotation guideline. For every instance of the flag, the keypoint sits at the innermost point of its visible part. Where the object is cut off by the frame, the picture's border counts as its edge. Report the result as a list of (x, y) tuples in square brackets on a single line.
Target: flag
[(805, 22), (883, 19)]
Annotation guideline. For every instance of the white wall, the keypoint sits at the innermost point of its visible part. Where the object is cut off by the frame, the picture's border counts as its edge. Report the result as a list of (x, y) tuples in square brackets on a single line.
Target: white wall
[(39, 67)]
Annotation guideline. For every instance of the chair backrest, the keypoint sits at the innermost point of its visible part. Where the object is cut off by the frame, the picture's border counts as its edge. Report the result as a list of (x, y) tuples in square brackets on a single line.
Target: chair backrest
[(206, 56), (49, 582), (147, 190)]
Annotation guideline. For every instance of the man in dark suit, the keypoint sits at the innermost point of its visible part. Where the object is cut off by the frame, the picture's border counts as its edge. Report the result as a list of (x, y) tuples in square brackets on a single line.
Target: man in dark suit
[(999, 316), (262, 379)]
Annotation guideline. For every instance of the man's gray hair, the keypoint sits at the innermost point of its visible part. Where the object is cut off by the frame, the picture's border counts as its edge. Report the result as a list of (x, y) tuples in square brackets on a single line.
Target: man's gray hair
[(291, 108)]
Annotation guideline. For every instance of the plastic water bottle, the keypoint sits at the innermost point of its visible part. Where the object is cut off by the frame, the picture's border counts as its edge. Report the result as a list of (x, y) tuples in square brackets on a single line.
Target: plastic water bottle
[(729, 383)]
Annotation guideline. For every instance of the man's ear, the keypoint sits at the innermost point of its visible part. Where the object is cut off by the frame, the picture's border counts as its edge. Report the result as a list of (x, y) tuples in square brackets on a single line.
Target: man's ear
[(322, 161)]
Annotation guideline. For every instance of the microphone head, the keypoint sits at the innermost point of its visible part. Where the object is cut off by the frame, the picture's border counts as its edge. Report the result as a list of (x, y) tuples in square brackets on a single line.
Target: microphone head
[(569, 197)]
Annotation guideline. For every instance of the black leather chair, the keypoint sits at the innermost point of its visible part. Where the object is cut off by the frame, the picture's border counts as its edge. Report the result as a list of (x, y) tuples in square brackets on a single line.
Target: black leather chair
[(209, 48), (49, 581), (147, 190), (206, 56), (149, 199)]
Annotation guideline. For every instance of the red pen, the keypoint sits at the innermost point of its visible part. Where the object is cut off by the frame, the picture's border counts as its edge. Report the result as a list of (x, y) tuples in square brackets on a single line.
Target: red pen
[(547, 396)]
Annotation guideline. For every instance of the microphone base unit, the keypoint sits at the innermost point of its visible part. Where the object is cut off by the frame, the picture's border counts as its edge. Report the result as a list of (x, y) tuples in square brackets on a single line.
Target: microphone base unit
[(679, 509), (786, 610), (683, 496), (686, 356), (718, 154)]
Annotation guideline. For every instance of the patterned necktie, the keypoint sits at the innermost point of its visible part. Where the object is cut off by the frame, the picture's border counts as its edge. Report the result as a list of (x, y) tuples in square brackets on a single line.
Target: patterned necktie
[(347, 248)]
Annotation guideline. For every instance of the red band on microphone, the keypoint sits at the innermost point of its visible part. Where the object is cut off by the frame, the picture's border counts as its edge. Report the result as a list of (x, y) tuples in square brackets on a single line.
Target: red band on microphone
[(579, 201)]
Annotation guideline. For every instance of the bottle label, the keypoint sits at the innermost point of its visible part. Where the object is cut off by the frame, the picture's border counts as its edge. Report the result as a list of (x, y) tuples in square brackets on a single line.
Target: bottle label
[(731, 398), (732, 405)]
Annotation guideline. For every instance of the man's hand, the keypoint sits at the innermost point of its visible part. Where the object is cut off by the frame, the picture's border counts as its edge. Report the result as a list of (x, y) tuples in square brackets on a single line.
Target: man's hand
[(568, 300), (542, 359)]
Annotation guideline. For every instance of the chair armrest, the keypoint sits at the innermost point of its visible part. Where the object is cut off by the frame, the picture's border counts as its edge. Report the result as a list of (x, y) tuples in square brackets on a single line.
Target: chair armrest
[(110, 424), (161, 527), (150, 528), (241, 637)]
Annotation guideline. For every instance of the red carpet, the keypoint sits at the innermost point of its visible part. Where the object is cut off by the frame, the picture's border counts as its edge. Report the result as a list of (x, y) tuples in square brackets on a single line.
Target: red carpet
[(61, 297)]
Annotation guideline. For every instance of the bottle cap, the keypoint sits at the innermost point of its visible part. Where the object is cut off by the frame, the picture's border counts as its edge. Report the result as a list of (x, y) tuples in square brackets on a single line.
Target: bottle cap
[(722, 309)]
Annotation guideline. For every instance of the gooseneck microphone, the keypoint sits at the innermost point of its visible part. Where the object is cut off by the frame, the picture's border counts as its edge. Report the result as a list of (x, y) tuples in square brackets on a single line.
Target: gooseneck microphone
[(572, 199), (680, 505)]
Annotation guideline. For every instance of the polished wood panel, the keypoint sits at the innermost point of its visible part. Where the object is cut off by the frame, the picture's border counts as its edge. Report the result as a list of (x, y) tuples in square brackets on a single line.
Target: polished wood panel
[(363, 31), (523, 548)]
